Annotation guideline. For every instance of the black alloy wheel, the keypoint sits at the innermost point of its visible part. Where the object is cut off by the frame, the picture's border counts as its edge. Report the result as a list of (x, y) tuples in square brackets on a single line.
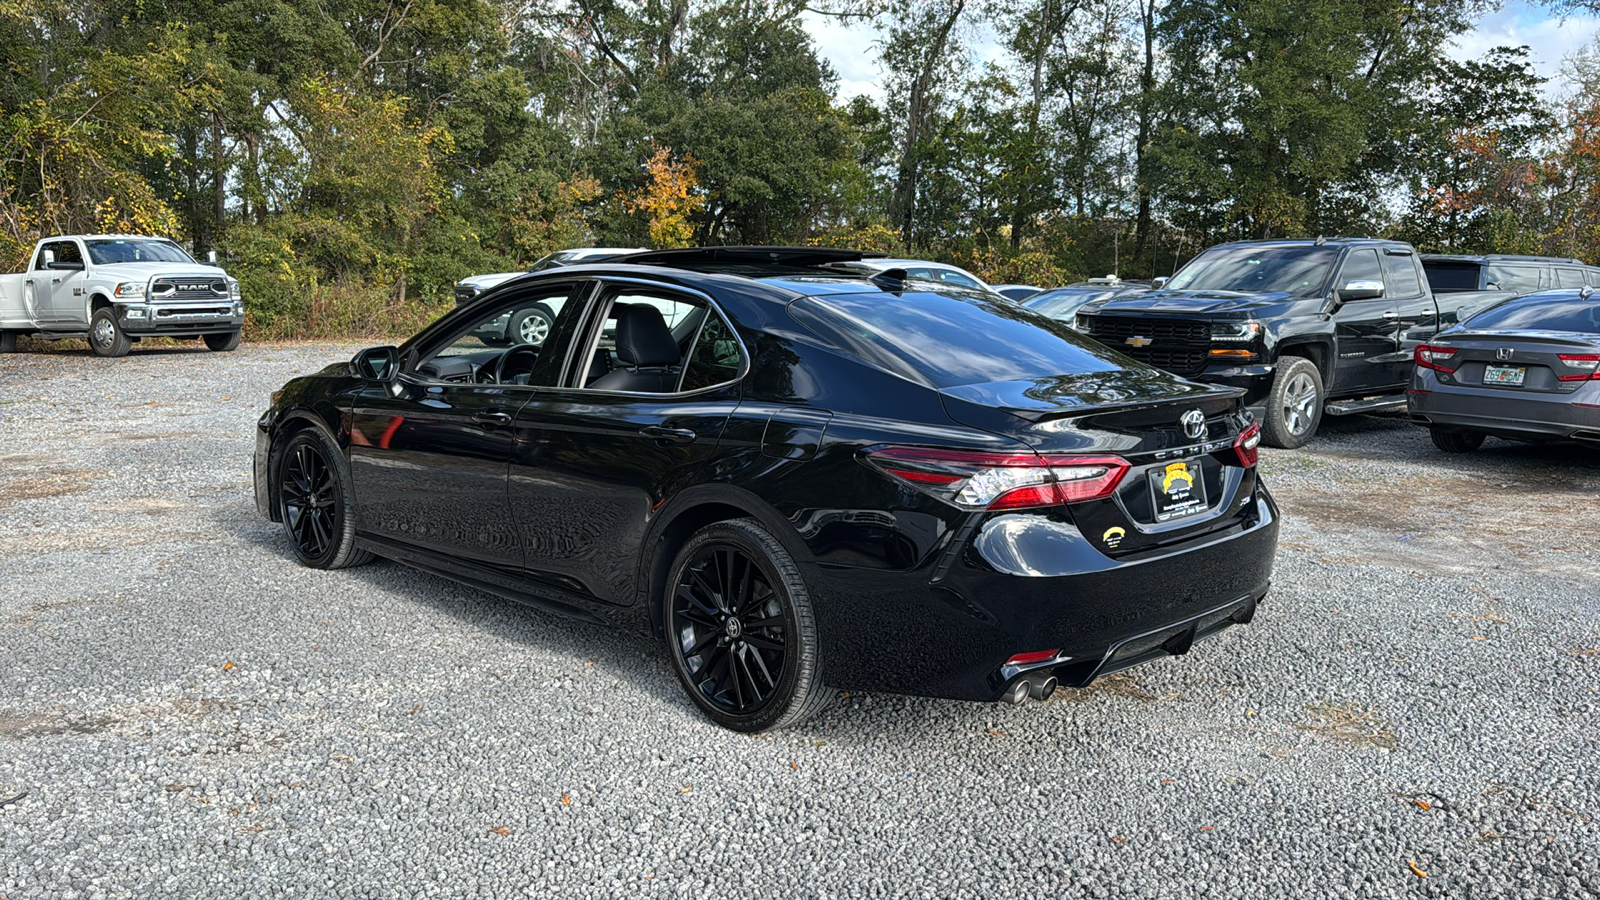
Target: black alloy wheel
[(311, 498), (742, 634)]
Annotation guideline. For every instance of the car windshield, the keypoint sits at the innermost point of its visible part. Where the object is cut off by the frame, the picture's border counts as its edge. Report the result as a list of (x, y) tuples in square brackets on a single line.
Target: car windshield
[(1294, 270), (954, 338), (106, 251), (1541, 312), (1062, 304)]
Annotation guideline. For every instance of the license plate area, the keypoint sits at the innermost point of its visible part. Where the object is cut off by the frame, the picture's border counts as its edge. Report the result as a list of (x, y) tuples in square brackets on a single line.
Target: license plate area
[(1510, 376), (1178, 490)]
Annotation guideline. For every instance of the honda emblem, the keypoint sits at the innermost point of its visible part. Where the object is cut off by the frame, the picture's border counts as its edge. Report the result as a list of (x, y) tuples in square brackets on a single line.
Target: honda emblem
[(1503, 352)]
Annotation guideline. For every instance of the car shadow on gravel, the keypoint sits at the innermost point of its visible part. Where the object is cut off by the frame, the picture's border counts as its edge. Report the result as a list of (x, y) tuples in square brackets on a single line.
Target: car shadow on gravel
[(621, 653)]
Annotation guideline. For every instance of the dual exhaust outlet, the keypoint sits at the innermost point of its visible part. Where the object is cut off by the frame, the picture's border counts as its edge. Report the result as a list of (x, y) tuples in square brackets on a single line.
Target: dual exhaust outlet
[(1038, 688)]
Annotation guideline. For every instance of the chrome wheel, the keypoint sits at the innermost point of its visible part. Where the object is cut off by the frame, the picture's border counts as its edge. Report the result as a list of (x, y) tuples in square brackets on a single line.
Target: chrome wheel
[(1299, 403), (105, 332), (534, 330)]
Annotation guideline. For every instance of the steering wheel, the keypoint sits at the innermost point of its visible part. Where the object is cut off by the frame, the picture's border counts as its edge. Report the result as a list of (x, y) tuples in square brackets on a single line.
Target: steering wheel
[(526, 355)]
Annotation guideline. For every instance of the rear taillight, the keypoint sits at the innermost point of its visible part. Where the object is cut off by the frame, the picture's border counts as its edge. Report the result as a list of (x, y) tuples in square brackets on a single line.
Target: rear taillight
[(975, 480), (1432, 356), (1587, 364), (1248, 445), (1033, 656)]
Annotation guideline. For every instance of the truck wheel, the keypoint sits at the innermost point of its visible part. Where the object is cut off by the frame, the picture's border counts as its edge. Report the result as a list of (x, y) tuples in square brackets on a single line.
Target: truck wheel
[(106, 337), (1294, 405), (1456, 441), (224, 342), (8, 342), (531, 326)]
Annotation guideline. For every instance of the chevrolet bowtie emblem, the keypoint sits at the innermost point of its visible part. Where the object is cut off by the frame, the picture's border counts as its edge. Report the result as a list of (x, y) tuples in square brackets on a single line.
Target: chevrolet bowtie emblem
[(1138, 340)]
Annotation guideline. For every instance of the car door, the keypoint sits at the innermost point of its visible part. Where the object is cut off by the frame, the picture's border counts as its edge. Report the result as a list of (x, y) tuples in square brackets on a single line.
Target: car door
[(1416, 313), (595, 458), (1365, 327), (428, 456), (55, 292)]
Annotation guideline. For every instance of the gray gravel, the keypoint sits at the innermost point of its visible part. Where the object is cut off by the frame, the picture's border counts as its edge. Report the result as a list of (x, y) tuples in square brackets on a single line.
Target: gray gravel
[(191, 714)]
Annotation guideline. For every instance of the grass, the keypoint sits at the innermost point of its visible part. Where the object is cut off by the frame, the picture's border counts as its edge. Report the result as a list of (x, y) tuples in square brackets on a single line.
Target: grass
[(1349, 724)]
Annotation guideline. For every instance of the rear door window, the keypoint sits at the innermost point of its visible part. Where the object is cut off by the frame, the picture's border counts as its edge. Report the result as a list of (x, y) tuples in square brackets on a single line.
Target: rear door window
[(1400, 276), (948, 339), (1569, 278), (1517, 279), (1451, 277)]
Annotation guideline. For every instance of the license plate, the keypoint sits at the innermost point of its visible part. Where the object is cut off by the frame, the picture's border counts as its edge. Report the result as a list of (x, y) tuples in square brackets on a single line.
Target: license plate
[(1511, 375), (1177, 490)]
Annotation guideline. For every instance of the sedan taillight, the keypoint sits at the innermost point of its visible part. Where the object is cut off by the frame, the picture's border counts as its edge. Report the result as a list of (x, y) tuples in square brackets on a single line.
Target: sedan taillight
[(1587, 364), (1248, 445), (1433, 356), (976, 480)]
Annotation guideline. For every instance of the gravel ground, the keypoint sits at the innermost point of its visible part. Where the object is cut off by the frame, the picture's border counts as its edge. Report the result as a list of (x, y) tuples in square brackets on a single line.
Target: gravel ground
[(188, 713)]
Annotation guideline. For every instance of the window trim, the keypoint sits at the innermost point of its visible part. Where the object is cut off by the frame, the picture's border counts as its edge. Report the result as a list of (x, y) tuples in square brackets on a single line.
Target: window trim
[(595, 325)]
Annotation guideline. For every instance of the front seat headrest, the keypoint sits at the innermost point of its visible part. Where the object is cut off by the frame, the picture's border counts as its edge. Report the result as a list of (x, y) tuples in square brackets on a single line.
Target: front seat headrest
[(643, 338)]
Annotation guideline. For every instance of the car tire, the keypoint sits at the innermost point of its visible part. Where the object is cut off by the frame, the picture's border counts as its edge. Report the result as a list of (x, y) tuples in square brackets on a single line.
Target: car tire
[(531, 326), (8, 342), (106, 337), (313, 496), (1294, 405), (1456, 441), (725, 658), (222, 343)]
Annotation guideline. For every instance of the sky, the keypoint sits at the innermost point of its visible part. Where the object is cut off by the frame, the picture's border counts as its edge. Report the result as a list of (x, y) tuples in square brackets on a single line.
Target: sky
[(849, 48)]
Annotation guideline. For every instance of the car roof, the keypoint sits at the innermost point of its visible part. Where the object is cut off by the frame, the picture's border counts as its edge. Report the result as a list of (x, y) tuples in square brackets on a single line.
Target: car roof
[(1499, 257), (1318, 242)]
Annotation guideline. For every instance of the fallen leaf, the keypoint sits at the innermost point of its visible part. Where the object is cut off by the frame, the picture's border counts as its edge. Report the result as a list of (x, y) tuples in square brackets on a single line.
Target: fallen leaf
[(998, 733), (1479, 637), (566, 799), (589, 663), (1169, 780), (1415, 870), (1423, 805), (1118, 839), (225, 399), (1208, 828), (415, 709), (685, 789), (342, 757), (227, 667), (503, 830), (794, 767)]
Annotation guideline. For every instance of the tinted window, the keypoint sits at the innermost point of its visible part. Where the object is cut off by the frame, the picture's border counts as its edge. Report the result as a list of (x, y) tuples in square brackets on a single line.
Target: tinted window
[(1360, 265), (947, 340), (1541, 312), (65, 251), (715, 358), (1063, 304), (1517, 279), (951, 276), (1569, 278), (1400, 276), (1296, 270), (1451, 277)]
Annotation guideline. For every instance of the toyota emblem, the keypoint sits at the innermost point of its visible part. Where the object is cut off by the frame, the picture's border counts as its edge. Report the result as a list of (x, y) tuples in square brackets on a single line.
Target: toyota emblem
[(1194, 424)]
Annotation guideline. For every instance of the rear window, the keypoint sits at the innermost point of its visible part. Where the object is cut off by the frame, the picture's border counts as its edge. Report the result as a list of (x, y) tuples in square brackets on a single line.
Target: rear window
[(950, 339), (1541, 312), (1451, 277)]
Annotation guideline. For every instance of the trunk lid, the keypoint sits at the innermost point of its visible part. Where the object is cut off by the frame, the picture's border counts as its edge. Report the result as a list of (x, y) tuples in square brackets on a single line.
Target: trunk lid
[(1519, 361)]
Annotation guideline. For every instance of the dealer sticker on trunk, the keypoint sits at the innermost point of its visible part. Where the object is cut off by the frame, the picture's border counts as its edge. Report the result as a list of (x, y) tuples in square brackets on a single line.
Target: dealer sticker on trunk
[(1177, 490)]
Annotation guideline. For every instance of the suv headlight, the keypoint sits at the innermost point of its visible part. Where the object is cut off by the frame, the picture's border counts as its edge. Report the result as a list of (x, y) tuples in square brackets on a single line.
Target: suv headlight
[(130, 289), (1235, 332)]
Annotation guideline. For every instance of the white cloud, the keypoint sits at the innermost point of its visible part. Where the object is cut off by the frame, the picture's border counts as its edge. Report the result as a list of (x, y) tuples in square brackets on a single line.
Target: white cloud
[(1550, 37), (848, 45)]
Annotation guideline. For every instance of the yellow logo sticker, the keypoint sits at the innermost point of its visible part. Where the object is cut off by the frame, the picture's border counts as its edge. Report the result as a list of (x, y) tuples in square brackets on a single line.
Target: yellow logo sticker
[(1113, 536), (1175, 473)]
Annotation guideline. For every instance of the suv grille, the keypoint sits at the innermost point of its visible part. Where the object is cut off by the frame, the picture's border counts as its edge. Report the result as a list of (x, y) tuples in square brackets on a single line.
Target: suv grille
[(177, 287), (1178, 345)]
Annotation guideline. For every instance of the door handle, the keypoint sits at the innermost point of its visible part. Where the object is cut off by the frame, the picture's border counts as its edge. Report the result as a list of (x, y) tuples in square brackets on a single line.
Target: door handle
[(55, 281), (1391, 315), (669, 435), (492, 418)]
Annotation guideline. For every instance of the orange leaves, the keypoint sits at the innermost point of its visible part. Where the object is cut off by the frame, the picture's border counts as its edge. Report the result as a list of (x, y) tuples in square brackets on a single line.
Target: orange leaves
[(1415, 869), (501, 830), (668, 198)]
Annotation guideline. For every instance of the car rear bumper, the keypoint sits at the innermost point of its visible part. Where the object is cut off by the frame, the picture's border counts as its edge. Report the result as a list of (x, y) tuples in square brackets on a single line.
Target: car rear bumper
[(952, 636), (1574, 416)]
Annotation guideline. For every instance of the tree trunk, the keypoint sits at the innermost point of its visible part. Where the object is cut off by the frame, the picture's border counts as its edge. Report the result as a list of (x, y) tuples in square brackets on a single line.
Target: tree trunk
[(219, 179), (902, 205), (1141, 148)]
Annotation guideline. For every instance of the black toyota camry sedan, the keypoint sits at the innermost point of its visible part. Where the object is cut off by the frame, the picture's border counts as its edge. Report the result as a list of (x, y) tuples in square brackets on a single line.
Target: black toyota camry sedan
[(801, 479)]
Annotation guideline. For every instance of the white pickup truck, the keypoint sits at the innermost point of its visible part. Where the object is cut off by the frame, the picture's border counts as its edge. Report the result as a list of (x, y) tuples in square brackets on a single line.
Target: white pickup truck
[(114, 289)]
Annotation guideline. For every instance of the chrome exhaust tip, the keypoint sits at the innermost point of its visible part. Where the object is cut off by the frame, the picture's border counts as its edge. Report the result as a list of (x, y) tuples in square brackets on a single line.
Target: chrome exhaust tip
[(1017, 692), (1043, 689)]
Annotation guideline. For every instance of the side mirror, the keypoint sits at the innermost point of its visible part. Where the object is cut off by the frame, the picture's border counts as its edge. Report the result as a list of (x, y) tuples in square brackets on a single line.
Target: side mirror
[(1157, 284), (1361, 290), (211, 257), (380, 365), (49, 258)]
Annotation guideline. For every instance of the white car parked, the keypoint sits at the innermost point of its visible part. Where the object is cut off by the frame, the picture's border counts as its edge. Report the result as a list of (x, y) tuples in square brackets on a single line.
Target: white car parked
[(532, 325), (115, 289)]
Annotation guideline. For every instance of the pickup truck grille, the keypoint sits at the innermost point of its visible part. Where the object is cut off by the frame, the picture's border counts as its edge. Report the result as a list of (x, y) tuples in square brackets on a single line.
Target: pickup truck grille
[(1179, 346), (180, 288), (465, 293)]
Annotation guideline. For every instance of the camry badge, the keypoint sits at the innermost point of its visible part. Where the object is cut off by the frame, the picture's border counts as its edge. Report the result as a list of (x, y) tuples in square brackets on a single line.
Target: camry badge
[(1194, 424), (1138, 340), (1503, 352)]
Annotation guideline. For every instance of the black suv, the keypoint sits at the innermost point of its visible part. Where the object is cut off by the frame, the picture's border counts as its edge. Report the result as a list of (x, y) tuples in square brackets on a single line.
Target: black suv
[(794, 476), (1303, 326)]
